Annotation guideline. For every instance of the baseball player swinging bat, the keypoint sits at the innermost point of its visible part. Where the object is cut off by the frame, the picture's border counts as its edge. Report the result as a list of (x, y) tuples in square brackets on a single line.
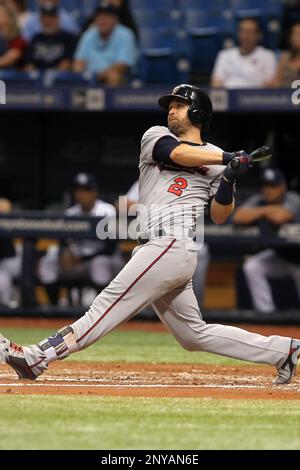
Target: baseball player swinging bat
[(179, 175)]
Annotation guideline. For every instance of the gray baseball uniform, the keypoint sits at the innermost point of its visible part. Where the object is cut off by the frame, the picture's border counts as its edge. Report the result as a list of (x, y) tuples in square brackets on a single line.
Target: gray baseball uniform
[(272, 263), (160, 272)]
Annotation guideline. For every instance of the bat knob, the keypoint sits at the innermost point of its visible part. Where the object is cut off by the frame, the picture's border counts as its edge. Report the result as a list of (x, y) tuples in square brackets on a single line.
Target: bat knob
[(235, 164)]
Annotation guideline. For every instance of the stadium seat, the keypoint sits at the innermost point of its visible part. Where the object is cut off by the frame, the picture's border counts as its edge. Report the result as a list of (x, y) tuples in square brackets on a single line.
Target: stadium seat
[(75, 8), (17, 76), (70, 5), (272, 33), (204, 4), (153, 4), (32, 5), (157, 38), (86, 7), (273, 8), (151, 18), (204, 45), (223, 20), (196, 18), (159, 67), (56, 77), (269, 8)]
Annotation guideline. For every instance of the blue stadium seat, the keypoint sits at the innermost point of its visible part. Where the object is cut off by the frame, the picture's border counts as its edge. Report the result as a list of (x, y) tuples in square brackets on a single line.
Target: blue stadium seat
[(195, 18), (151, 18), (56, 77), (17, 76), (269, 8), (70, 4), (32, 5), (158, 63), (222, 20), (257, 13), (273, 8), (204, 4), (158, 69), (158, 38), (87, 7), (153, 4), (204, 45), (272, 34), (74, 7)]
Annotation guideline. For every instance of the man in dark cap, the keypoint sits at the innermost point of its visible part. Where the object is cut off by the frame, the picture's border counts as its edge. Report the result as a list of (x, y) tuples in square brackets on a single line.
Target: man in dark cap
[(107, 49), (270, 209), (52, 48), (94, 260)]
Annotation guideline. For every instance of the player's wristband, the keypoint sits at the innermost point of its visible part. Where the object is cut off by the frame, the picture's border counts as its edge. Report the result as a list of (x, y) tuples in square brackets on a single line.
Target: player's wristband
[(227, 157), (225, 193)]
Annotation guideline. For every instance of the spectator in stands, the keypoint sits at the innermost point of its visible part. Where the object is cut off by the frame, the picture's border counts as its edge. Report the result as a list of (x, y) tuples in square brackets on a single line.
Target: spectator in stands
[(94, 260), (248, 65), (290, 16), (10, 262), (19, 7), (108, 49), (34, 25), (52, 48), (125, 16), (15, 45), (273, 207), (288, 68)]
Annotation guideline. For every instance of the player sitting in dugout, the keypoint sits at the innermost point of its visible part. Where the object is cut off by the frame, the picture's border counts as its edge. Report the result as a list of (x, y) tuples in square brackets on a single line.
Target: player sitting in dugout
[(271, 208), (97, 261)]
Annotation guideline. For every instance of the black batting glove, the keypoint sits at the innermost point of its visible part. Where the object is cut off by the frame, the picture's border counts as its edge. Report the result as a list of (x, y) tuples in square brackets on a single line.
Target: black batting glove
[(239, 165), (228, 156)]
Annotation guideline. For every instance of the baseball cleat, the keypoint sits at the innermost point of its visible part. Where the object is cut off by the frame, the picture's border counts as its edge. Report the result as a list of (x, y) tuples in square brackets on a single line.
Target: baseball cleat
[(287, 369), (13, 355)]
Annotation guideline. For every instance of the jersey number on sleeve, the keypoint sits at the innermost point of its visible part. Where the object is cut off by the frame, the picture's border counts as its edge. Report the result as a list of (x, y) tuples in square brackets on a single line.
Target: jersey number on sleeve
[(178, 186)]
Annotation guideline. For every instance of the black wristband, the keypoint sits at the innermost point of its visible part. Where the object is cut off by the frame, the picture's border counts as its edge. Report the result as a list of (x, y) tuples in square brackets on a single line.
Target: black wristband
[(227, 157), (225, 192)]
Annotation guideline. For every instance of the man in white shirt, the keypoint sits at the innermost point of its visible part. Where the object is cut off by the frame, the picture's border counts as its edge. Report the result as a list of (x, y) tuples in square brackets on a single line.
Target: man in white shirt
[(248, 65)]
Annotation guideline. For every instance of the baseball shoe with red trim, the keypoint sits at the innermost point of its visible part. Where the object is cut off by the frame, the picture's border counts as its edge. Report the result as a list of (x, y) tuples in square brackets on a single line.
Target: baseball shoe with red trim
[(287, 369), (13, 355)]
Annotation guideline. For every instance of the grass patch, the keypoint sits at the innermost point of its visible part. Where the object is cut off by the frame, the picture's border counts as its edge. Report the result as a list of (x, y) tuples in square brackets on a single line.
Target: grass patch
[(80, 422)]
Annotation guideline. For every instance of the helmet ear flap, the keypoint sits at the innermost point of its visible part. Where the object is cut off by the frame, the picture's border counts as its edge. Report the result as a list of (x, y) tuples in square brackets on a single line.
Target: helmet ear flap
[(195, 115)]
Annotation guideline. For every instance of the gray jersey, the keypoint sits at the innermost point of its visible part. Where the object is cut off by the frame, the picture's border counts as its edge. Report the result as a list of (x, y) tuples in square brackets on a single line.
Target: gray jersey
[(291, 202), (173, 195)]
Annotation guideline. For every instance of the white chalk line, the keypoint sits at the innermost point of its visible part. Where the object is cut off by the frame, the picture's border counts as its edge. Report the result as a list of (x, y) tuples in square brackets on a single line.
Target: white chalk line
[(198, 387)]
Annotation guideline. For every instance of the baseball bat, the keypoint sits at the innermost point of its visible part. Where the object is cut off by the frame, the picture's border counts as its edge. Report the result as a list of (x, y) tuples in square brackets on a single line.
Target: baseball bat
[(262, 153)]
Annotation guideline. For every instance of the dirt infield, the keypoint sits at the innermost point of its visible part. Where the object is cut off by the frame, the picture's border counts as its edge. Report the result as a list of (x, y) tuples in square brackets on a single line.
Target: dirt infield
[(151, 380)]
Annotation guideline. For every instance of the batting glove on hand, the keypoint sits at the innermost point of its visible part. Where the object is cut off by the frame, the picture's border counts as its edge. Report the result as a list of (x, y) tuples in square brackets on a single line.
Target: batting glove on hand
[(228, 156), (237, 166)]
